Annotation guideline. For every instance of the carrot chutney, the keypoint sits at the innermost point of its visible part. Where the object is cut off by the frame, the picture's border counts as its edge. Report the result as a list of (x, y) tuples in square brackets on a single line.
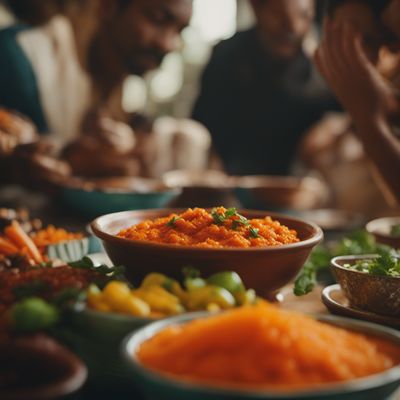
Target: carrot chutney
[(263, 347), (216, 229)]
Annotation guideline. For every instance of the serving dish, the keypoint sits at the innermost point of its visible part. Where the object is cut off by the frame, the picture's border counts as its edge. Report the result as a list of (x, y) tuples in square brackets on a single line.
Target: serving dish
[(379, 294), (381, 229), (264, 269), (156, 386), (92, 198), (261, 192), (38, 368), (337, 303)]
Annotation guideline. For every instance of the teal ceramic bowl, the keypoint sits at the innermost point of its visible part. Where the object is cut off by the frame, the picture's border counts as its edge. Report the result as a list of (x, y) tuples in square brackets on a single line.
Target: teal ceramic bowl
[(93, 199), (158, 387)]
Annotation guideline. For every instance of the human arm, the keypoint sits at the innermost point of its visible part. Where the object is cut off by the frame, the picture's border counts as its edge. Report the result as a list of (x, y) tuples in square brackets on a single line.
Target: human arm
[(370, 101)]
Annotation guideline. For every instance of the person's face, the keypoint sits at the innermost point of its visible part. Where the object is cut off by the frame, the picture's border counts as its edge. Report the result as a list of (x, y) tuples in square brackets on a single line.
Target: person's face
[(144, 31), (283, 24), (361, 17)]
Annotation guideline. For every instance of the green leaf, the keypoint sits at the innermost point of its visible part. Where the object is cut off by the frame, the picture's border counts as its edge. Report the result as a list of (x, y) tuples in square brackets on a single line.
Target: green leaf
[(254, 232), (114, 271), (172, 221), (219, 219), (230, 212)]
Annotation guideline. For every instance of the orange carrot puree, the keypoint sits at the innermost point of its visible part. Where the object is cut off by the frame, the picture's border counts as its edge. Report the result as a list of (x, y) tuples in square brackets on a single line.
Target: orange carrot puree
[(197, 227), (264, 347)]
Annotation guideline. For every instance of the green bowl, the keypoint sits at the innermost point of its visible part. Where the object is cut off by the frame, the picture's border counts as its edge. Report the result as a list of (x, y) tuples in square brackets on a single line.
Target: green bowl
[(92, 203), (158, 387)]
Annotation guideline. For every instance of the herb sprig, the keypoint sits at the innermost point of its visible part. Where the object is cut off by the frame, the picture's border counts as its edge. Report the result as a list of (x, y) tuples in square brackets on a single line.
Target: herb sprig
[(356, 243), (171, 222)]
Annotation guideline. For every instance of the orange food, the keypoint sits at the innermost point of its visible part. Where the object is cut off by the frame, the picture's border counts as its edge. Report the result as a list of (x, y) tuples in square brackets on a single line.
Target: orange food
[(52, 235), (197, 227), (264, 347)]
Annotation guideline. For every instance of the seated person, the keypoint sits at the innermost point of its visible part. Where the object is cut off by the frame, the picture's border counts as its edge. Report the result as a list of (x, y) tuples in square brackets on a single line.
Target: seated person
[(260, 91), (347, 60), (77, 61)]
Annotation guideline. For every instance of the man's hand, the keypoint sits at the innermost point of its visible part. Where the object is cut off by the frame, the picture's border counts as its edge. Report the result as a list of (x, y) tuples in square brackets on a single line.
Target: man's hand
[(356, 82)]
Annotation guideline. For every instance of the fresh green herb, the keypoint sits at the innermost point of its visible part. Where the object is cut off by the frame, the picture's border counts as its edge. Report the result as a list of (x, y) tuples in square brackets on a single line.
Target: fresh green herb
[(254, 232), (30, 289), (356, 243), (230, 212), (395, 230), (235, 224), (386, 264), (33, 314), (172, 221), (114, 271), (219, 219)]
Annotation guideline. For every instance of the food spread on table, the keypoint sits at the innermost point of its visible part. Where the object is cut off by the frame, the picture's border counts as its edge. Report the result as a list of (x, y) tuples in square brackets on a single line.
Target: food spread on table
[(245, 342)]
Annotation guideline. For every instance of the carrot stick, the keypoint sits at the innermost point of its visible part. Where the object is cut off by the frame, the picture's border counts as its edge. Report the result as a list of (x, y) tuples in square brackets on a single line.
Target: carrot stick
[(7, 248), (18, 236)]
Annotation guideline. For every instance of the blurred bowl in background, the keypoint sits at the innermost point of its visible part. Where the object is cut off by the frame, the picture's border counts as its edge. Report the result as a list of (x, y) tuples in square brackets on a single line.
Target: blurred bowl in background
[(386, 230), (99, 196), (208, 188), (38, 368), (262, 192), (333, 219)]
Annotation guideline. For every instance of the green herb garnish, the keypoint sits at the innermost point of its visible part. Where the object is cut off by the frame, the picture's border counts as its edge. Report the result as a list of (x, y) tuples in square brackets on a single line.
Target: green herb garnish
[(356, 243), (386, 264), (395, 230), (219, 219), (86, 263), (254, 232), (172, 221)]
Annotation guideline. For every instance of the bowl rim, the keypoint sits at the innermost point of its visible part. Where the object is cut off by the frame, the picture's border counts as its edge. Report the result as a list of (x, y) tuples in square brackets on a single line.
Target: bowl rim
[(136, 338), (335, 264), (371, 226), (64, 386), (316, 237)]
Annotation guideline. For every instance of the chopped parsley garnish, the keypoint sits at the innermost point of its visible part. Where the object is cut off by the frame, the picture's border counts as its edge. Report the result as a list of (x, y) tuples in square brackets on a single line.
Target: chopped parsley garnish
[(219, 219), (172, 221), (254, 232)]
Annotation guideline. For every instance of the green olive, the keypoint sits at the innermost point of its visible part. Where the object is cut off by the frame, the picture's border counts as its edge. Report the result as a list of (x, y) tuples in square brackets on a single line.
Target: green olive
[(228, 280), (194, 283), (246, 297), (199, 298)]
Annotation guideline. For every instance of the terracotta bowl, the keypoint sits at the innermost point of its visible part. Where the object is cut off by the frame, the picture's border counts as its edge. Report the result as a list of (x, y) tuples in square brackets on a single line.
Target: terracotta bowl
[(38, 368), (381, 228), (266, 269), (379, 294)]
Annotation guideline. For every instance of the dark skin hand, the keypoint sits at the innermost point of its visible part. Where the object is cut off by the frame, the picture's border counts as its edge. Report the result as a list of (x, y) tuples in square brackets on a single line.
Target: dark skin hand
[(370, 101)]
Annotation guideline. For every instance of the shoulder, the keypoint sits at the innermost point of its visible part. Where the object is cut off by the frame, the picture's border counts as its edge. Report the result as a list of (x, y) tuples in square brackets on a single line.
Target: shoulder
[(235, 46)]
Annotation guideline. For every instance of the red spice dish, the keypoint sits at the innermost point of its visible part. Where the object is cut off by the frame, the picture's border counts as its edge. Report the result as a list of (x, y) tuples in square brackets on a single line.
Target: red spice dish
[(219, 228)]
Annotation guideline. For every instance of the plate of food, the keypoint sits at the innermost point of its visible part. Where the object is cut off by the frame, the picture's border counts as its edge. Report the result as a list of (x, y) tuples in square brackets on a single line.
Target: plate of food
[(262, 352)]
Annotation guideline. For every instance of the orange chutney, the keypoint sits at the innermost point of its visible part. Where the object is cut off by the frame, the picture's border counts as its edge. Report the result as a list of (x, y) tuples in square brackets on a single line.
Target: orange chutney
[(198, 227), (263, 347)]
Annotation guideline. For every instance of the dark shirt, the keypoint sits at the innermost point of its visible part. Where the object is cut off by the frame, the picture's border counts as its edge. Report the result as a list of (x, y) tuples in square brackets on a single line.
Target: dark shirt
[(257, 107), (18, 86)]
